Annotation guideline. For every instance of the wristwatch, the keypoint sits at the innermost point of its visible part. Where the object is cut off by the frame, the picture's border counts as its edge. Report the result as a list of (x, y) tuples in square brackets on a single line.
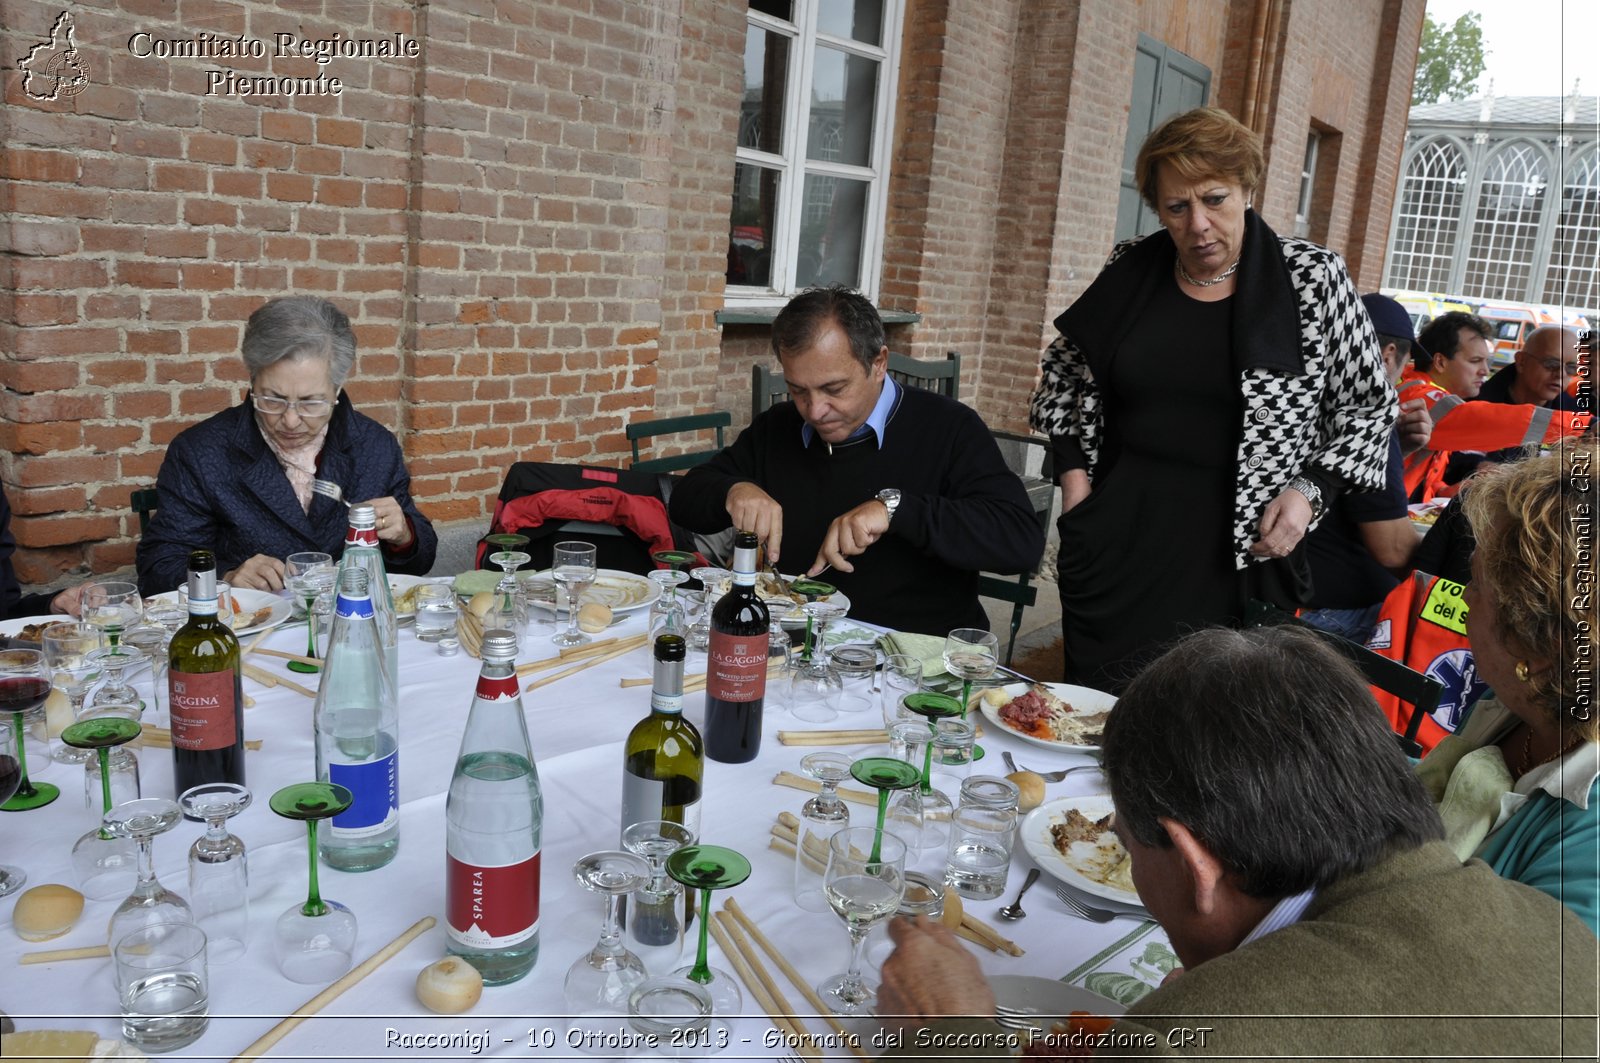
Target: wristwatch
[(890, 497), (1308, 487)]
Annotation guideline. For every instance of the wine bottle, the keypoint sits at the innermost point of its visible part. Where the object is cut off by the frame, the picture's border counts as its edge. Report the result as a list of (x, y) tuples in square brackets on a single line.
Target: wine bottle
[(361, 550), (494, 816), (736, 664), (205, 688), (357, 723), (663, 762)]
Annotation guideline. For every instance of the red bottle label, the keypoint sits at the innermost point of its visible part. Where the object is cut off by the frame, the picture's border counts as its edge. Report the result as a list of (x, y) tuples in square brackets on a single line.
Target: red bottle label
[(203, 709), (498, 689), (361, 537), (736, 669), (491, 907)]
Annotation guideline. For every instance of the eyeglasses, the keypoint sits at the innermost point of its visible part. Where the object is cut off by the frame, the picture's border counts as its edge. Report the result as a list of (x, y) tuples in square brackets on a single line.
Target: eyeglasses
[(308, 409)]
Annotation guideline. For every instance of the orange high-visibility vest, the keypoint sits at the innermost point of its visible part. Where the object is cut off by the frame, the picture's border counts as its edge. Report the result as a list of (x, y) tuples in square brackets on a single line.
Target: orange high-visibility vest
[(1423, 625), (1480, 426)]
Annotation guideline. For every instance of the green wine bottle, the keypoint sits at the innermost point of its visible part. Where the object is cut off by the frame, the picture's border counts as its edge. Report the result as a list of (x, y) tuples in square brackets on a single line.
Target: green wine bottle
[(205, 688), (663, 760)]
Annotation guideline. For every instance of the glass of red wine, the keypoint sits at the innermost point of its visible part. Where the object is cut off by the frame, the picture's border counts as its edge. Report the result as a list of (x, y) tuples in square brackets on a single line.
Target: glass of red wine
[(12, 879), (24, 686)]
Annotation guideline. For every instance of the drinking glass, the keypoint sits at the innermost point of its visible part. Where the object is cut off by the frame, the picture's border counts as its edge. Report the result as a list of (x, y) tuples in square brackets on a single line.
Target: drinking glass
[(105, 863), (112, 605), (510, 610), (667, 614), (982, 834), (219, 872), (11, 878), (675, 1015), (122, 766), (902, 675), (113, 661), (706, 868), (162, 985), (24, 687), (313, 941), (820, 818), (924, 811), (864, 889), (857, 666), (573, 567), (599, 983), (970, 653), (309, 575), (814, 687), (150, 638), (884, 774), (654, 927), (436, 611), (150, 902), (711, 579), (67, 650), (780, 665)]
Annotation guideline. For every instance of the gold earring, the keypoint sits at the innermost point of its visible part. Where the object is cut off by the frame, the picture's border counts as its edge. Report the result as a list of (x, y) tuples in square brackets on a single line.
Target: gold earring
[(1522, 671)]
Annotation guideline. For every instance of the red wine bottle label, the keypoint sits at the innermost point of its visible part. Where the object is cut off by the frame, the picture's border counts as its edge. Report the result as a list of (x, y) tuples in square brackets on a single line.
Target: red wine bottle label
[(498, 689), (491, 907), (202, 709), (736, 669)]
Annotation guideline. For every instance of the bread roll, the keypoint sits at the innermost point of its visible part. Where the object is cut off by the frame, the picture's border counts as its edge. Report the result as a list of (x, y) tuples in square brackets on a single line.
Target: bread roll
[(46, 912), (594, 616), (1030, 790), (481, 603), (58, 712)]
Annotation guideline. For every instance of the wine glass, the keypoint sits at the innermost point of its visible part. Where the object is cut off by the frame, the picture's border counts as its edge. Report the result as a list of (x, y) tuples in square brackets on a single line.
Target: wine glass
[(313, 941), (711, 580), (11, 775), (219, 872), (707, 868), (918, 807), (149, 639), (970, 653), (780, 664), (105, 863), (820, 818), (113, 661), (863, 889), (884, 774), (655, 930), (309, 574), (674, 1016), (111, 605), (24, 687), (667, 614), (121, 772), (815, 689), (67, 649), (150, 902), (573, 567), (902, 675), (506, 540), (599, 983), (510, 612)]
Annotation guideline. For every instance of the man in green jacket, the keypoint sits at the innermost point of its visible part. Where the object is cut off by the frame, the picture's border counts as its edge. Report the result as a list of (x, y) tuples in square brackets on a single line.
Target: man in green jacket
[(1287, 849)]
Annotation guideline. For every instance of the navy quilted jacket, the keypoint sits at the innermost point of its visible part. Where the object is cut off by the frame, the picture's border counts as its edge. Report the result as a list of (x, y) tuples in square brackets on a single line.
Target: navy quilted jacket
[(221, 488)]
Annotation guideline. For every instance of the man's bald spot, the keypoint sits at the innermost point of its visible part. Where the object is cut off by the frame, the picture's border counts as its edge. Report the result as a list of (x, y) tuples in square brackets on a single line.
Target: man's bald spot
[(1548, 340)]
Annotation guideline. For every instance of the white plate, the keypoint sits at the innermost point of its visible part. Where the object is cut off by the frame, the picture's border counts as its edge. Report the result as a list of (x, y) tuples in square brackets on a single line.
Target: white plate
[(1082, 699), (624, 592), (250, 603), (795, 617), (1052, 1001), (1035, 832), (10, 628), (398, 585)]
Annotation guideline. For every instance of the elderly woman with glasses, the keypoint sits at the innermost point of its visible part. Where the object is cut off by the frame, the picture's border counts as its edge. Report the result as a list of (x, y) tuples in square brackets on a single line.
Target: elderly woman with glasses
[(240, 482)]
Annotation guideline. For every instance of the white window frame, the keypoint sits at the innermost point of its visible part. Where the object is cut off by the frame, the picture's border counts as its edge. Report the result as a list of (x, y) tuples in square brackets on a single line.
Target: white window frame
[(793, 165), (1308, 181)]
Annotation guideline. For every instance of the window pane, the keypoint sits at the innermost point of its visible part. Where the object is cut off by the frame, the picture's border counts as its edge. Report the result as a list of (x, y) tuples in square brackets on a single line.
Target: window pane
[(857, 20), (844, 90), (755, 201), (766, 70), (833, 220), (783, 9)]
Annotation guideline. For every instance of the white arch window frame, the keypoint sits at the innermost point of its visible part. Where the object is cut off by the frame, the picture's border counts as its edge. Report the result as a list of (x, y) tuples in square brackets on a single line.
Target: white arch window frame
[(1417, 212), (1575, 247), (1501, 256)]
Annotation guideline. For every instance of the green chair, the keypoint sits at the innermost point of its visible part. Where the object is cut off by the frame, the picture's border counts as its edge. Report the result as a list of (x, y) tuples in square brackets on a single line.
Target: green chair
[(767, 389), (943, 377), (143, 502), (1018, 592), (695, 422)]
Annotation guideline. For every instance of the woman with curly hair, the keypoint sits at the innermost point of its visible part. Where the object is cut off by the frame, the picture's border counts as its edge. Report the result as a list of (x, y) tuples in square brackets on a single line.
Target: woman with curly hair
[(1519, 784)]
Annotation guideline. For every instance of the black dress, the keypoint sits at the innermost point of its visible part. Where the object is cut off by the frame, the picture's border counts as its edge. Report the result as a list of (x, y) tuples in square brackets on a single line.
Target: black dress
[(1148, 555)]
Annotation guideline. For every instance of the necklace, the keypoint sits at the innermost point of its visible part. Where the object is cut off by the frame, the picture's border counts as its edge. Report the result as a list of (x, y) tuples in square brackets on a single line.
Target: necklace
[(1218, 279), (1527, 753)]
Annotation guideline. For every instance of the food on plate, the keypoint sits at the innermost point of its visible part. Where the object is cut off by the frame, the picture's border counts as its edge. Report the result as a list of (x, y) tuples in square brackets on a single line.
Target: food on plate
[(1090, 847), (243, 618), (1075, 1037), (1078, 828), (405, 599), (449, 986), (53, 1044), (57, 712), (594, 616), (32, 632), (1030, 789), (769, 588), (46, 912), (1039, 713)]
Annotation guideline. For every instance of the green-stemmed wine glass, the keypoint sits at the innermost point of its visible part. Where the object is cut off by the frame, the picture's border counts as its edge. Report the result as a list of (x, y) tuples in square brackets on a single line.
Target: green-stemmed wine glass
[(105, 864), (863, 891), (883, 774), (506, 541), (24, 687), (309, 574), (68, 649), (707, 868), (314, 941), (912, 804), (112, 605)]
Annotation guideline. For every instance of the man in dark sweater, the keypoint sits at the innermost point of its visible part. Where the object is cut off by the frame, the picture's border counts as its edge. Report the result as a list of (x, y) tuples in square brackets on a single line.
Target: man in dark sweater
[(902, 491)]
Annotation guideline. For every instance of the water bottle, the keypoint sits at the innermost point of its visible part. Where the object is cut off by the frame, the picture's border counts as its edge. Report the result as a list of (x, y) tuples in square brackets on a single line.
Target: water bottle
[(361, 550)]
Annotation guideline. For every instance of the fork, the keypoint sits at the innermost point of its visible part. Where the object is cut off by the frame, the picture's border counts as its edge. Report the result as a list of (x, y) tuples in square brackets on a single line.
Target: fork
[(1048, 776), (1080, 909), (329, 489), (1018, 1019)]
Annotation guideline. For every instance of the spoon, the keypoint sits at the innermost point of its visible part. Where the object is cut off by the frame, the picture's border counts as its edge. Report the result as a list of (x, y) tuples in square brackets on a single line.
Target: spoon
[(1013, 911)]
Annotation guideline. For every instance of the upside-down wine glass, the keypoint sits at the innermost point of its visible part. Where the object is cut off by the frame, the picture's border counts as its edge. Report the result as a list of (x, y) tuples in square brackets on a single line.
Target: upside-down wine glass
[(24, 688), (707, 868), (599, 983), (667, 614), (573, 566), (11, 774), (917, 806), (150, 901), (884, 774), (815, 688), (313, 941), (219, 870), (509, 610), (711, 579), (114, 661), (310, 574), (67, 649), (863, 890), (105, 863), (121, 771), (821, 817), (655, 929)]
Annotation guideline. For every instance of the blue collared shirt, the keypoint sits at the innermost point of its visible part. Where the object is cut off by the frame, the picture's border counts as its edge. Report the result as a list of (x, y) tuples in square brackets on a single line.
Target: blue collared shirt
[(1286, 912), (877, 421)]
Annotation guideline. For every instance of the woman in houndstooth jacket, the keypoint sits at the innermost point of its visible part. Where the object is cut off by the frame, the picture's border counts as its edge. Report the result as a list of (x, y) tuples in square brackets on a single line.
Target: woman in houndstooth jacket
[(1208, 397)]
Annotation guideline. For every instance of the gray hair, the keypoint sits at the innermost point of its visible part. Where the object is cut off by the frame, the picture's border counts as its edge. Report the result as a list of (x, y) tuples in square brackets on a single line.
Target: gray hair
[(1266, 744), (300, 326)]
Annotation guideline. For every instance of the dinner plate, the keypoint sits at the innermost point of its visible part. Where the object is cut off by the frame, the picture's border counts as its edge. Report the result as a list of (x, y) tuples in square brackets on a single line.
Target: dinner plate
[(398, 585), (1083, 699), (1050, 1000), (795, 616), (272, 609), (10, 628), (1077, 869), (624, 592)]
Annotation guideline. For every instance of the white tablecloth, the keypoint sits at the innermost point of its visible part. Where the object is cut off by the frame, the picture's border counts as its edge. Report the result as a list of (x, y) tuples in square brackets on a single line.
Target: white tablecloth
[(577, 725)]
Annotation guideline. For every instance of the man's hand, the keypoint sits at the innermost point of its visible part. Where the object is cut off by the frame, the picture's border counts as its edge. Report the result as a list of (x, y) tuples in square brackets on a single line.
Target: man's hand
[(753, 510), (1414, 424), (260, 573), (68, 601), (930, 975), (1283, 525), (393, 528), (850, 535)]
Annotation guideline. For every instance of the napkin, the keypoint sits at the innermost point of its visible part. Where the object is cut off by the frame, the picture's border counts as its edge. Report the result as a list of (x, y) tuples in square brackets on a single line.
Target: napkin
[(929, 649)]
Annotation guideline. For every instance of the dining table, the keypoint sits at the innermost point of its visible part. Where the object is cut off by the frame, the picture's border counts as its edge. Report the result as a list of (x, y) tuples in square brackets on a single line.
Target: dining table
[(577, 725)]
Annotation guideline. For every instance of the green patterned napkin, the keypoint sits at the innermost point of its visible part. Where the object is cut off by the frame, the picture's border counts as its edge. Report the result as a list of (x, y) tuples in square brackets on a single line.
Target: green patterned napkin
[(929, 649)]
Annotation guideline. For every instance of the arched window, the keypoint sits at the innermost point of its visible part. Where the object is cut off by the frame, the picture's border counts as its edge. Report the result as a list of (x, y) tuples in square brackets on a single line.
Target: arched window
[(1430, 214), (1574, 276), (1500, 256)]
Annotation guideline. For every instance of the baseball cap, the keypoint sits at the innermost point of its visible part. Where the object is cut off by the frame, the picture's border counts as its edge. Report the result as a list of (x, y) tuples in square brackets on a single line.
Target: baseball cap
[(1389, 318)]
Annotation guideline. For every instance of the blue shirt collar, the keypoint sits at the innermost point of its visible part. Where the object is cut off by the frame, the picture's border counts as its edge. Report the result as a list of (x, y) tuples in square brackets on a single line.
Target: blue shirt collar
[(877, 421), (1286, 912)]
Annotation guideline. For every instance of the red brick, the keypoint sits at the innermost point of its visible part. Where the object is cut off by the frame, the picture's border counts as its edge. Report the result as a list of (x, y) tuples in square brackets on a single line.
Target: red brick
[(30, 165), (296, 128)]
